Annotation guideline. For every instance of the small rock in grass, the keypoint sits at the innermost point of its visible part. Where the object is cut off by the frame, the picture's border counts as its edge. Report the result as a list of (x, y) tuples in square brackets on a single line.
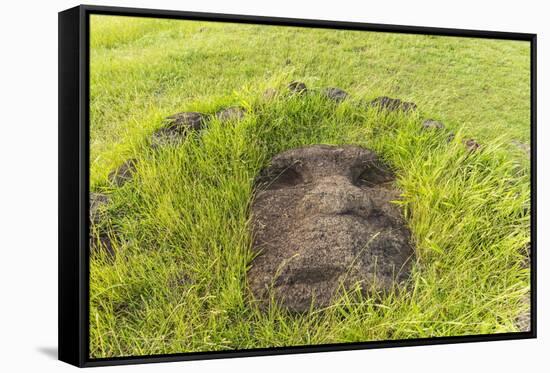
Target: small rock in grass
[(392, 104), (297, 87), (231, 113), (187, 120), (178, 126), (270, 93), (471, 145), (167, 136), (97, 203), (124, 173), (450, 136), (102, 244), (335, 94), (429, 124)]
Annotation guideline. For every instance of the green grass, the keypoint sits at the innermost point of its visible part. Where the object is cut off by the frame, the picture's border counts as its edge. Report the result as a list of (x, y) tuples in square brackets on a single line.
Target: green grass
[(178, 280)]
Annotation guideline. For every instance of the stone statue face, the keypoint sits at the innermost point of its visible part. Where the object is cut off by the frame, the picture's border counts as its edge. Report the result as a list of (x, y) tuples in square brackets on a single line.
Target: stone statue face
[(321, 219)]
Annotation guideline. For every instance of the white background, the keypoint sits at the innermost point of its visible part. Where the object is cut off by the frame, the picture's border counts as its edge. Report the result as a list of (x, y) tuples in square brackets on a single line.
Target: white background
[(28, 184)]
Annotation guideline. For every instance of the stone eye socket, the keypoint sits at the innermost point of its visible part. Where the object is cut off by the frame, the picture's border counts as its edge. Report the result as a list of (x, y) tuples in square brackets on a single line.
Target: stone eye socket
[(281, 176), (286, 177), (374, 174)]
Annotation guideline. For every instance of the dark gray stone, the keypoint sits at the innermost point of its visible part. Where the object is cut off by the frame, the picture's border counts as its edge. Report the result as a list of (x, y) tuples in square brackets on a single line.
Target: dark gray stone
[(450, 136), (321, 218), (98, 202), (233, 113), (335, 94), (102, 244), (187, 120), (391, 104), (99, 241), (178, 125), (471, 145), (124, 173), (430, 124), (297, 87)]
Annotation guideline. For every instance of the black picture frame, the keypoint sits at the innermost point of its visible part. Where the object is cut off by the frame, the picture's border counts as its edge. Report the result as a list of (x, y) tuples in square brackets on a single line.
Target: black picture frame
[(73, 247)]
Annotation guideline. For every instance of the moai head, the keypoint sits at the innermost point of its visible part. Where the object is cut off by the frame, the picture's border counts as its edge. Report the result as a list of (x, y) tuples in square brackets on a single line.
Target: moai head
[(322, 218)]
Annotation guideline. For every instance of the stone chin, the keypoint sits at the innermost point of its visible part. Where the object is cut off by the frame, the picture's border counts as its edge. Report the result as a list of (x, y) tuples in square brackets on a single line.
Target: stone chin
[(322, 218)]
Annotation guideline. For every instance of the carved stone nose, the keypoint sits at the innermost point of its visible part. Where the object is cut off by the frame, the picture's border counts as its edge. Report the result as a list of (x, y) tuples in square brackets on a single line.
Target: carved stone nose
[(335, 195)]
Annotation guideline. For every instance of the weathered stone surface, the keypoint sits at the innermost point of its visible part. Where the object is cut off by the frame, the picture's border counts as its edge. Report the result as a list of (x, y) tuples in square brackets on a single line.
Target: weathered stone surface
[(322, 217), (178, 126), (335, 94), (471, 145), (297, 87), (430, 124), (391, 104), (124, 173), (231, 113), (450, 136), (187, 120), (101, 243), (98, 201)]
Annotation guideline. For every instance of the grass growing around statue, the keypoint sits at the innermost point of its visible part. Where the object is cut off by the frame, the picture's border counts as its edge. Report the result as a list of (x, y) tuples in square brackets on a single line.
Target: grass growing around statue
[(173, 278)]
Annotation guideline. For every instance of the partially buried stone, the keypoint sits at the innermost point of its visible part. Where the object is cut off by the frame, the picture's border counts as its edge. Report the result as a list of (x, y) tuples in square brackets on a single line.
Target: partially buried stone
[(231, 113), (471, 145), (450, 136), (297, 87), (178, 125), (391, 104), (187, 120), (98, 201), (102, 243), (335, 94), (322, 217), (124, 173), (430, 124)]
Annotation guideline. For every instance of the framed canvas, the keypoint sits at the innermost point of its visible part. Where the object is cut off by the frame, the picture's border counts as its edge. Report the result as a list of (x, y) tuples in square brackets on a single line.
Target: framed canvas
[(233, 186)]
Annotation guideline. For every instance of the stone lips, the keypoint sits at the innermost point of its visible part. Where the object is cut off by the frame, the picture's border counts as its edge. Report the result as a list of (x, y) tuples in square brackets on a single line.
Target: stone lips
[(322, 218)]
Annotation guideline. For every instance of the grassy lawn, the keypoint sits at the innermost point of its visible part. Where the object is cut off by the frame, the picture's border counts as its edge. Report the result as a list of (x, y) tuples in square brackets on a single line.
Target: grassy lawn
[(177, 281)]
